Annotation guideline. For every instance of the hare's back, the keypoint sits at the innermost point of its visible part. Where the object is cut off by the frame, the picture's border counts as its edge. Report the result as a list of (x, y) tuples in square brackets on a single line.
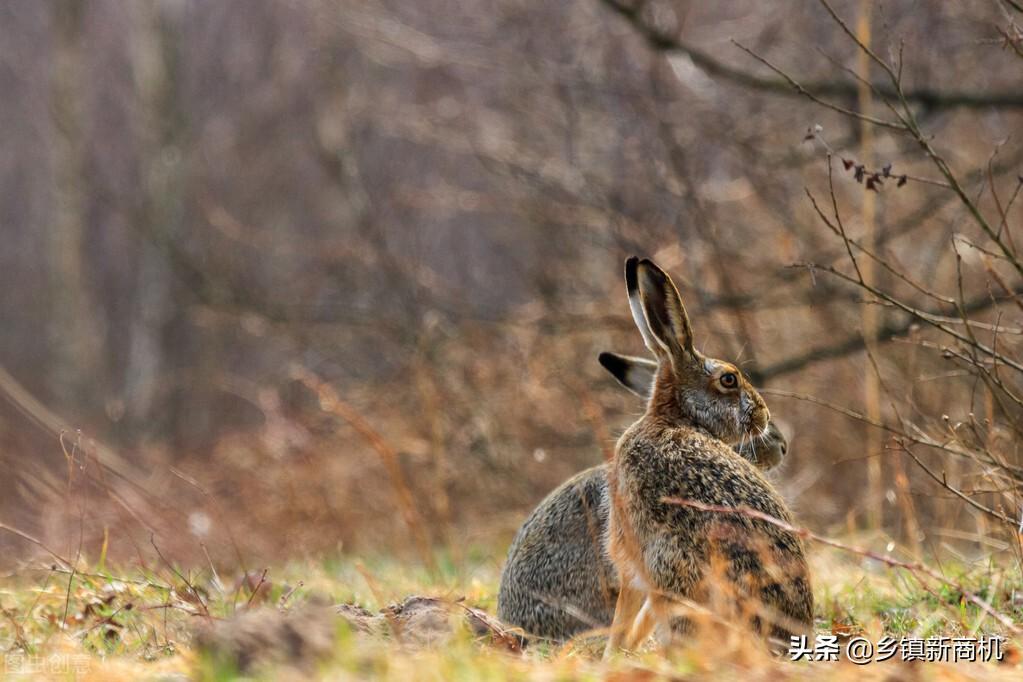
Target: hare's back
[(558, 580)]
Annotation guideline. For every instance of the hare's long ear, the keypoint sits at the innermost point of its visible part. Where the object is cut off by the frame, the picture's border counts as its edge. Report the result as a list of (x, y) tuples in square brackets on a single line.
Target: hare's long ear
[(636, 306), (635, 374), (665, 315)]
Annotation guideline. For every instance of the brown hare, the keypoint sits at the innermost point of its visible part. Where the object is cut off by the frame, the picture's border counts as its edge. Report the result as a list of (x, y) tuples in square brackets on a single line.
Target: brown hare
[(558, 580), (679, 449)]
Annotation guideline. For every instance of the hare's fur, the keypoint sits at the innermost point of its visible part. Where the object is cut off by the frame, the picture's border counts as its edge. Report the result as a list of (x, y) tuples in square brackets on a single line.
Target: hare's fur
[(666, 550), (558, 580)]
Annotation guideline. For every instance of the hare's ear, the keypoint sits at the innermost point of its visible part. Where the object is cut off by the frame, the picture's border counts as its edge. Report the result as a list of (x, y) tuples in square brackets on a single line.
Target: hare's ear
[(636, 306), (665, 315), (635, 374)]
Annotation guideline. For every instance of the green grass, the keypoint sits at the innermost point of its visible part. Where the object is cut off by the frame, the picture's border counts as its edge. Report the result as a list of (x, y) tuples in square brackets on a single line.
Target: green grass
[(127, 624)]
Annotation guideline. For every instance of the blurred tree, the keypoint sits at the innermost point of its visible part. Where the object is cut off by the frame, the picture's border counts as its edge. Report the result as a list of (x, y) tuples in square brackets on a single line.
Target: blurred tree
[(75, 337)]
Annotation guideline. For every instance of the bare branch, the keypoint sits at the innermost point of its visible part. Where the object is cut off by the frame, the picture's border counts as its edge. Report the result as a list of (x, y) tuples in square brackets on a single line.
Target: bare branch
[(925, 97)]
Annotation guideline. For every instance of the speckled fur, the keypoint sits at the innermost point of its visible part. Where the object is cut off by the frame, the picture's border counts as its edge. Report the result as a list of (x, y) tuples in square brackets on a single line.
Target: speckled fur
[(656, 460), (558, 580)]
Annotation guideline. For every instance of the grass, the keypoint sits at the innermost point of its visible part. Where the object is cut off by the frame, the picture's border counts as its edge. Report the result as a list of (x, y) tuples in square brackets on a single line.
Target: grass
[(129, 624)]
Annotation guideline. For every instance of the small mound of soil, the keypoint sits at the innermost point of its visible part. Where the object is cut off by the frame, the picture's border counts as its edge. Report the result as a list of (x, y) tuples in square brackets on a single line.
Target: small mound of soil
[(304, 634)]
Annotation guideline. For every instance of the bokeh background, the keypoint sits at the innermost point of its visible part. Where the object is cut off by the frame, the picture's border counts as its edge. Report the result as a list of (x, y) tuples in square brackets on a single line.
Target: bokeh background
[(294, 277)]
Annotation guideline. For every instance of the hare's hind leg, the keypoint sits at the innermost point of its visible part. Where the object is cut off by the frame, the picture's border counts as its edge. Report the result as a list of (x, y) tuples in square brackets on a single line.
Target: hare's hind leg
[(630, 603), (650, 614)]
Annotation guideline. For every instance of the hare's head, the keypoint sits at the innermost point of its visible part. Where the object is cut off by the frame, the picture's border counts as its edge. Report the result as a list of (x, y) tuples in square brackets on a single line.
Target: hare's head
[(764, 451), (707, 393)]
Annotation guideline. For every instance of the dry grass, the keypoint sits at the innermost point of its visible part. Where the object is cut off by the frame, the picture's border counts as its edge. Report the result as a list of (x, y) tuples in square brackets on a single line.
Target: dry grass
[(128, 624)]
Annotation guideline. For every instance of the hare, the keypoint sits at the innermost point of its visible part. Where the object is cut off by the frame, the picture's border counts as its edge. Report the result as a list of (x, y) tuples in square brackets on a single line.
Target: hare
[(666, 552), (558, 580)]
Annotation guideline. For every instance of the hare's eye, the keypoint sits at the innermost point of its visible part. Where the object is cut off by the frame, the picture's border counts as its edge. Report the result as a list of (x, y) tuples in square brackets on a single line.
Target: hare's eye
[(729, 380)]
